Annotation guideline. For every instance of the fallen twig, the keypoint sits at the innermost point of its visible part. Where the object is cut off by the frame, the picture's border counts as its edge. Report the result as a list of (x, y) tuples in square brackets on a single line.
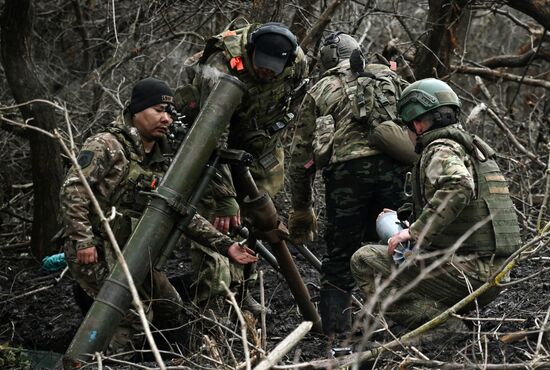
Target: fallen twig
[(263, 313), (408, 363), (28, 293), (284, 346)]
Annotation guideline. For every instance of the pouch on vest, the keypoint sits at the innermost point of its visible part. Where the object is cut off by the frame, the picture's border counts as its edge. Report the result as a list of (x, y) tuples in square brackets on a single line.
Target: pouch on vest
[(394, 141), (323, 139), (373, 99), (362, 99)]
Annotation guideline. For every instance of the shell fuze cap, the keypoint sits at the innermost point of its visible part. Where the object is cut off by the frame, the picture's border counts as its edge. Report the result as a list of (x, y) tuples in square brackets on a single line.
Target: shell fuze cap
[(272, 50), (148, 92)]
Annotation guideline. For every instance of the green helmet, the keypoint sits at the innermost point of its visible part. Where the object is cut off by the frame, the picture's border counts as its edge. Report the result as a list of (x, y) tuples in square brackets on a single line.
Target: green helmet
[(423, 96), (336, 47)]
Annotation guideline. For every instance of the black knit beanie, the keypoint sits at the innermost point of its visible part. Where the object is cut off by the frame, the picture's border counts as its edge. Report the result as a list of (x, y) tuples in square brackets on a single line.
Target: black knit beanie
[(148, 92)]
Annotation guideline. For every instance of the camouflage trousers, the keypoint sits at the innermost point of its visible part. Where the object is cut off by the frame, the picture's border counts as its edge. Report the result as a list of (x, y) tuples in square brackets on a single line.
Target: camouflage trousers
[(162, 303), (211, 268), (355, 193), (439, 290)]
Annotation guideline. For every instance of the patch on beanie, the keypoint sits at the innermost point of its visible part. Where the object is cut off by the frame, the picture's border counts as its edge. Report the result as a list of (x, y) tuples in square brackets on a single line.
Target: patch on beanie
[(167, 99)]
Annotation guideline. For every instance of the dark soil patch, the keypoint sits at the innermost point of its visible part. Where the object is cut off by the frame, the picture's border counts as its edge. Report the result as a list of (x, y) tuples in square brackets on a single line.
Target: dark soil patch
[(38, 312)]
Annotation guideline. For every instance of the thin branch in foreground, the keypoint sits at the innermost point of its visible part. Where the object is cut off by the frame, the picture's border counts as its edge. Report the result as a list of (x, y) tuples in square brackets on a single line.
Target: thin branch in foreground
[(360, 357), (235, 305), (284, 346), (409, 363)]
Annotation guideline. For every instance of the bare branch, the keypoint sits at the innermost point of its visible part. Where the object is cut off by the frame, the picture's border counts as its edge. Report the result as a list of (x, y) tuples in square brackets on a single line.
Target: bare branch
[(316, 31), (492, 74)]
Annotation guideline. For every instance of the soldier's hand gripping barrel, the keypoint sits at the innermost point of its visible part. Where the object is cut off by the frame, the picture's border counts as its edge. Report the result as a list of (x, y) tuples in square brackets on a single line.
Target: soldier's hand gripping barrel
[(157, 222)]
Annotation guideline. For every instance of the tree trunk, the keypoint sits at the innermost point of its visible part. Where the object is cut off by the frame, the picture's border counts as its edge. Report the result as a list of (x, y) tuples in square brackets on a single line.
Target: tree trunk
[(264, 11), (300, 24), (433, 56), (22, 77), (538, 9)]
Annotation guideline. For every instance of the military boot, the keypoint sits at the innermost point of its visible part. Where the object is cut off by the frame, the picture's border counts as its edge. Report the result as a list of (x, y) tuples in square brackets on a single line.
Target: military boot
[(335, 307)]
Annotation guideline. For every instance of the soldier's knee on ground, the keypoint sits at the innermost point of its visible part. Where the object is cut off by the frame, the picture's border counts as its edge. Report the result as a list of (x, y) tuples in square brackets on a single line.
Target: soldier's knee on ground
[(367, 262)]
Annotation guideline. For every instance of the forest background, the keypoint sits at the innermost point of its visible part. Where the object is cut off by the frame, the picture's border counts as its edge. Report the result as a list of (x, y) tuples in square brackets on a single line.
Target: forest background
[(67, 68)]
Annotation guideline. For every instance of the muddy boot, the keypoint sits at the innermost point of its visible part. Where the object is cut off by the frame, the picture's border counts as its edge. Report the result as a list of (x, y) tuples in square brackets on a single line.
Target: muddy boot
[(335, 307)]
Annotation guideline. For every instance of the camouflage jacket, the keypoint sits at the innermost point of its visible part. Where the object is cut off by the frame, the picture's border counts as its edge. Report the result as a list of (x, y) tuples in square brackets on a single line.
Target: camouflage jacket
[(254, 125), (457, 184), (105, 160), (448, 176), (327, 98)]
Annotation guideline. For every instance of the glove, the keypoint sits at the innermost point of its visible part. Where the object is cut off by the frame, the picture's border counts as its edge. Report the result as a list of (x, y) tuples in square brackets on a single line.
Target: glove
[(302, 225)]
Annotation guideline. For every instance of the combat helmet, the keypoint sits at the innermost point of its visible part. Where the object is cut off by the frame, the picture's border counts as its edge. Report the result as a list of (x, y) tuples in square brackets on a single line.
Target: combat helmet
[(423, 96), (336, 47)]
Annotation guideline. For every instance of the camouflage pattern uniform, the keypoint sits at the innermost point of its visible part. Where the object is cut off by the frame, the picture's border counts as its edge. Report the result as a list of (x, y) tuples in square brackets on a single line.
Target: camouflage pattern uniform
[(253, 128), (454, 188), (116, 167), (359, 180)]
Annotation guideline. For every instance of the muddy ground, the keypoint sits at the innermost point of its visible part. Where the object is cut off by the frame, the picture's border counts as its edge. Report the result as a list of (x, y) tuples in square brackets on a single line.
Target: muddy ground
[(38, 312)]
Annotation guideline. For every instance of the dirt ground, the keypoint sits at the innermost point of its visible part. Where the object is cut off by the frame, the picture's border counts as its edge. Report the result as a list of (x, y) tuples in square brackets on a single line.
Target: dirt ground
[(38, 312)]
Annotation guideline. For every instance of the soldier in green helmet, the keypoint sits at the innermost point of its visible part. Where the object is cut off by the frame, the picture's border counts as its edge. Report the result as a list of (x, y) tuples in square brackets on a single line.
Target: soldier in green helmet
[(120, 165), (332, 135), (268, 60), (458, 192)]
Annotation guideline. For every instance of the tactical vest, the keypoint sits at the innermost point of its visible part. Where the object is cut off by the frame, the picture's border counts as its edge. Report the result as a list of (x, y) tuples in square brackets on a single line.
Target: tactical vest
[(500, 236), (130, 198), (373, 95), (265, 107), (371, 98)]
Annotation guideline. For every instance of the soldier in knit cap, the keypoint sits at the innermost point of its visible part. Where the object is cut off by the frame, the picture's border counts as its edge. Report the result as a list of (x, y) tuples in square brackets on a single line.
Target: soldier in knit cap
[(121, 165)]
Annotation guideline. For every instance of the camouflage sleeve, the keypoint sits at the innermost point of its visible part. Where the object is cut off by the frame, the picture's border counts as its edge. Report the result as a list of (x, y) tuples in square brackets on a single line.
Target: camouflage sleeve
[(448, 186), (202, 232), (219, 199), (103, 165), (302, 168), (300, 65)]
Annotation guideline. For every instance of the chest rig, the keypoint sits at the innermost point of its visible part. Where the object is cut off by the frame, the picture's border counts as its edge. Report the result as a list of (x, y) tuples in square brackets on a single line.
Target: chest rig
[(143, 174), (499, 236), (265, 110)]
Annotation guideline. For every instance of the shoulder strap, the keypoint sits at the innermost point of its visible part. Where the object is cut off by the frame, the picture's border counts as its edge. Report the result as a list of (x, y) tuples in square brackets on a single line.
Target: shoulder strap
[(231, 42)]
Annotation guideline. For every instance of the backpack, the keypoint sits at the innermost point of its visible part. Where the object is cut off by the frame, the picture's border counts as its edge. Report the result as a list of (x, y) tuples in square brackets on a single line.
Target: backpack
[(373, 95)]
